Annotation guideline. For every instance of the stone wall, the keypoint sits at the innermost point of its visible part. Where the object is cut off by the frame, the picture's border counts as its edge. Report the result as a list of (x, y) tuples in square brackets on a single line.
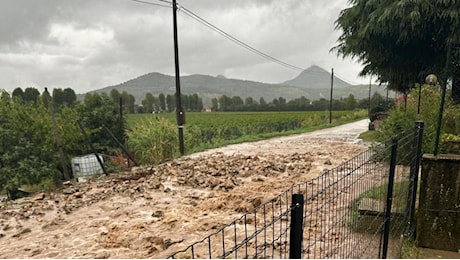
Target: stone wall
[(438, 218)]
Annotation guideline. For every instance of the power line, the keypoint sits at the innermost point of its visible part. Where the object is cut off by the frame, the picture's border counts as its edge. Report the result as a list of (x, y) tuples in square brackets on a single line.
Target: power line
[(235, 40), (155, 4), (348, 81)]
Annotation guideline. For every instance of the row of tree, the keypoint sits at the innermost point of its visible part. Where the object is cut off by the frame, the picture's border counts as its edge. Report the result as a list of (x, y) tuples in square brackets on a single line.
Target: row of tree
[(236, 103), (59, 96), (126, 103), (193, 103), (151, 103)]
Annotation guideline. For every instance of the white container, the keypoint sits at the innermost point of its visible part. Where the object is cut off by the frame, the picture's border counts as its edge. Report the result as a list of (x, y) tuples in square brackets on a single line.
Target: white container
[(86, 166)]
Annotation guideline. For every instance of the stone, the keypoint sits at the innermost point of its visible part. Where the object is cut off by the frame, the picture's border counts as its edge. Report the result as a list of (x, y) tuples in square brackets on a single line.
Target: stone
[(38, 196), (22, 232)]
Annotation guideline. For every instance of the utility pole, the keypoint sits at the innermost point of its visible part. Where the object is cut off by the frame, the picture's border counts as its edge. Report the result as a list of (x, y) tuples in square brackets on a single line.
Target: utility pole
[(180, 116), (57, 136), (330, 101), (369, 105)]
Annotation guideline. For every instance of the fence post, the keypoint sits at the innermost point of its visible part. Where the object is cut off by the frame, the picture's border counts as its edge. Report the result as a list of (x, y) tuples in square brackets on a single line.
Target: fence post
[(386, 231), (413, 181), (296, 233), (120, 145), (92, 147)]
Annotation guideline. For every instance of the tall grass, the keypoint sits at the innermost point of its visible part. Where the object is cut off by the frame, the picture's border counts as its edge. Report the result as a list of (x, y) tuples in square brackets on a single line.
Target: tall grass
[(153, 137)]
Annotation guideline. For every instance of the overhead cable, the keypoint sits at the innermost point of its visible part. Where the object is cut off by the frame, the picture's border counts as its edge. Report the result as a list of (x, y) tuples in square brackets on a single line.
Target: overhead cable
[(226, 35), (150, 3), (235, 40)]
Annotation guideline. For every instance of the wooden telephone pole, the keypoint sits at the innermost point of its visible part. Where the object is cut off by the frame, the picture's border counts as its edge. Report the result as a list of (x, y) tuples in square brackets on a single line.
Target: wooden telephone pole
[(180, 116)]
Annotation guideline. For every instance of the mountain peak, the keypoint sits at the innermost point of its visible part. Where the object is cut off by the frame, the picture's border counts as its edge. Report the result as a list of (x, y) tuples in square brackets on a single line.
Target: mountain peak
[(316, 68), (315, 77)]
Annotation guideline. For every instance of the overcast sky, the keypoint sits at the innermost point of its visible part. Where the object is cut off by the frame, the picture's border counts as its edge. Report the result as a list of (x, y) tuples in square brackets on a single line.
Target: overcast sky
[(91, 44)]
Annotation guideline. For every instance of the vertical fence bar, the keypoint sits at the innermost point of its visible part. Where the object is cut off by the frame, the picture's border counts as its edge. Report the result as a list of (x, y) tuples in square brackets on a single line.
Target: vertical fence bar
[(246, 235), (92, 147), (235, 241), (443, 98), (386, 232), (412, 196), (296, 234), (265, 233)]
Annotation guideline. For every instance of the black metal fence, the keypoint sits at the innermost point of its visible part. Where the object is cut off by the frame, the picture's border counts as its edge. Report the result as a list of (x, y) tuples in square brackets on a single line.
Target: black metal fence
[(360, 209)]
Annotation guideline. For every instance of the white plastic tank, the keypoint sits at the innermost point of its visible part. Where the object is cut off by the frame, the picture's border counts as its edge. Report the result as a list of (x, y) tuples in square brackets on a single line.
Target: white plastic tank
[(86, 166)]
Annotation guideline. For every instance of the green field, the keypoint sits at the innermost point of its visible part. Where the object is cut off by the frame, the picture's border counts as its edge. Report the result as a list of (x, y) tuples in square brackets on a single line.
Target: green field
[(216, 129)]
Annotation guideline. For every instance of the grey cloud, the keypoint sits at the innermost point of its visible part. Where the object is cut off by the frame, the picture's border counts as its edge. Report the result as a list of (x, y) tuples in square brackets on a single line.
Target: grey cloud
[(295, 31)]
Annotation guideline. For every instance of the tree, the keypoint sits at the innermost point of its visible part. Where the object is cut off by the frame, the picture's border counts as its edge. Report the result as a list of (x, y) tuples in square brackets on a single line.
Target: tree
[(128, 102), (115, 95), (399, 41), (215, 104), (170, 102), (185, 102), (350, 102), (377, 100), (27, 153), (69, 96), (249, 101), (262, 101), (237, 103), (98, 110), (18, 93), (148, 103), (162, 99), (319, 105), (58, 96), (31, 95), (225, 103)]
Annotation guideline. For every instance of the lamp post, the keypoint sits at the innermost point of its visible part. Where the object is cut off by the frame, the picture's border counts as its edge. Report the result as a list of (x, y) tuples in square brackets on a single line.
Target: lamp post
[(430, 80), (433, 80)]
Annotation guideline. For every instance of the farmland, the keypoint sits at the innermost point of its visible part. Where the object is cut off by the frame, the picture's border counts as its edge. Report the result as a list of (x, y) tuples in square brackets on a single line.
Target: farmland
[(220, 128)]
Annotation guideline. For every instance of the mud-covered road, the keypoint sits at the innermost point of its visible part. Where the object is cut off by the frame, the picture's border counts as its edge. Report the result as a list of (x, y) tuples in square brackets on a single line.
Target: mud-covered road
[(153, 212)]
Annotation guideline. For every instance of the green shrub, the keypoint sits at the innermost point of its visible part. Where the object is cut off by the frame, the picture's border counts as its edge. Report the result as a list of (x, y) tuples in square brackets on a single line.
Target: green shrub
[(400, 120), (154, 140), (27, 152)]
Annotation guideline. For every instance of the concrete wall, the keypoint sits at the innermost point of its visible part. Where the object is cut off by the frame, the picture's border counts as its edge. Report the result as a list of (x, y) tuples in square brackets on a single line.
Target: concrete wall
[(438, 218)]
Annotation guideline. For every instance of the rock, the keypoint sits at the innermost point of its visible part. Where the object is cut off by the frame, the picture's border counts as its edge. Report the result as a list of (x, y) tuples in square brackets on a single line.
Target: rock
[(256, 202), (328, 162), (70, 190), (258, 178), (78, 195), (24, 231), (102, 255), (35, 252), (38, 196), (52, 255), (158, 214)]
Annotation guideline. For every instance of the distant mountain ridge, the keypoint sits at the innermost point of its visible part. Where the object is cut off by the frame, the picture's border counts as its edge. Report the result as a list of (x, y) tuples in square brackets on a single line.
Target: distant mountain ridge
[(313, 83)]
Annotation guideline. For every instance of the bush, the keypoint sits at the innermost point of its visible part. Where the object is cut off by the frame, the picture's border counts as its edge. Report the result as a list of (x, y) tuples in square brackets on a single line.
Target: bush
[(154, 140), (27, 152), (399, 120)]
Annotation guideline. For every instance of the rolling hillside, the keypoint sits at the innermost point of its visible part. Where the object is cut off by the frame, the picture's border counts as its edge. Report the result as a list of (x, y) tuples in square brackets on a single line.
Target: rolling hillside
[(313, 83)]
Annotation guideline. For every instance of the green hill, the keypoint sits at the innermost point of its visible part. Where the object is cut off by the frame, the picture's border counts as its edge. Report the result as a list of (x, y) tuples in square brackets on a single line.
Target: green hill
[(313, 83)]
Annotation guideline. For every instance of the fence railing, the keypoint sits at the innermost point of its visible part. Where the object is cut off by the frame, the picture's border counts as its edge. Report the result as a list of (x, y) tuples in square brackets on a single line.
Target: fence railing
[(360, 209)]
